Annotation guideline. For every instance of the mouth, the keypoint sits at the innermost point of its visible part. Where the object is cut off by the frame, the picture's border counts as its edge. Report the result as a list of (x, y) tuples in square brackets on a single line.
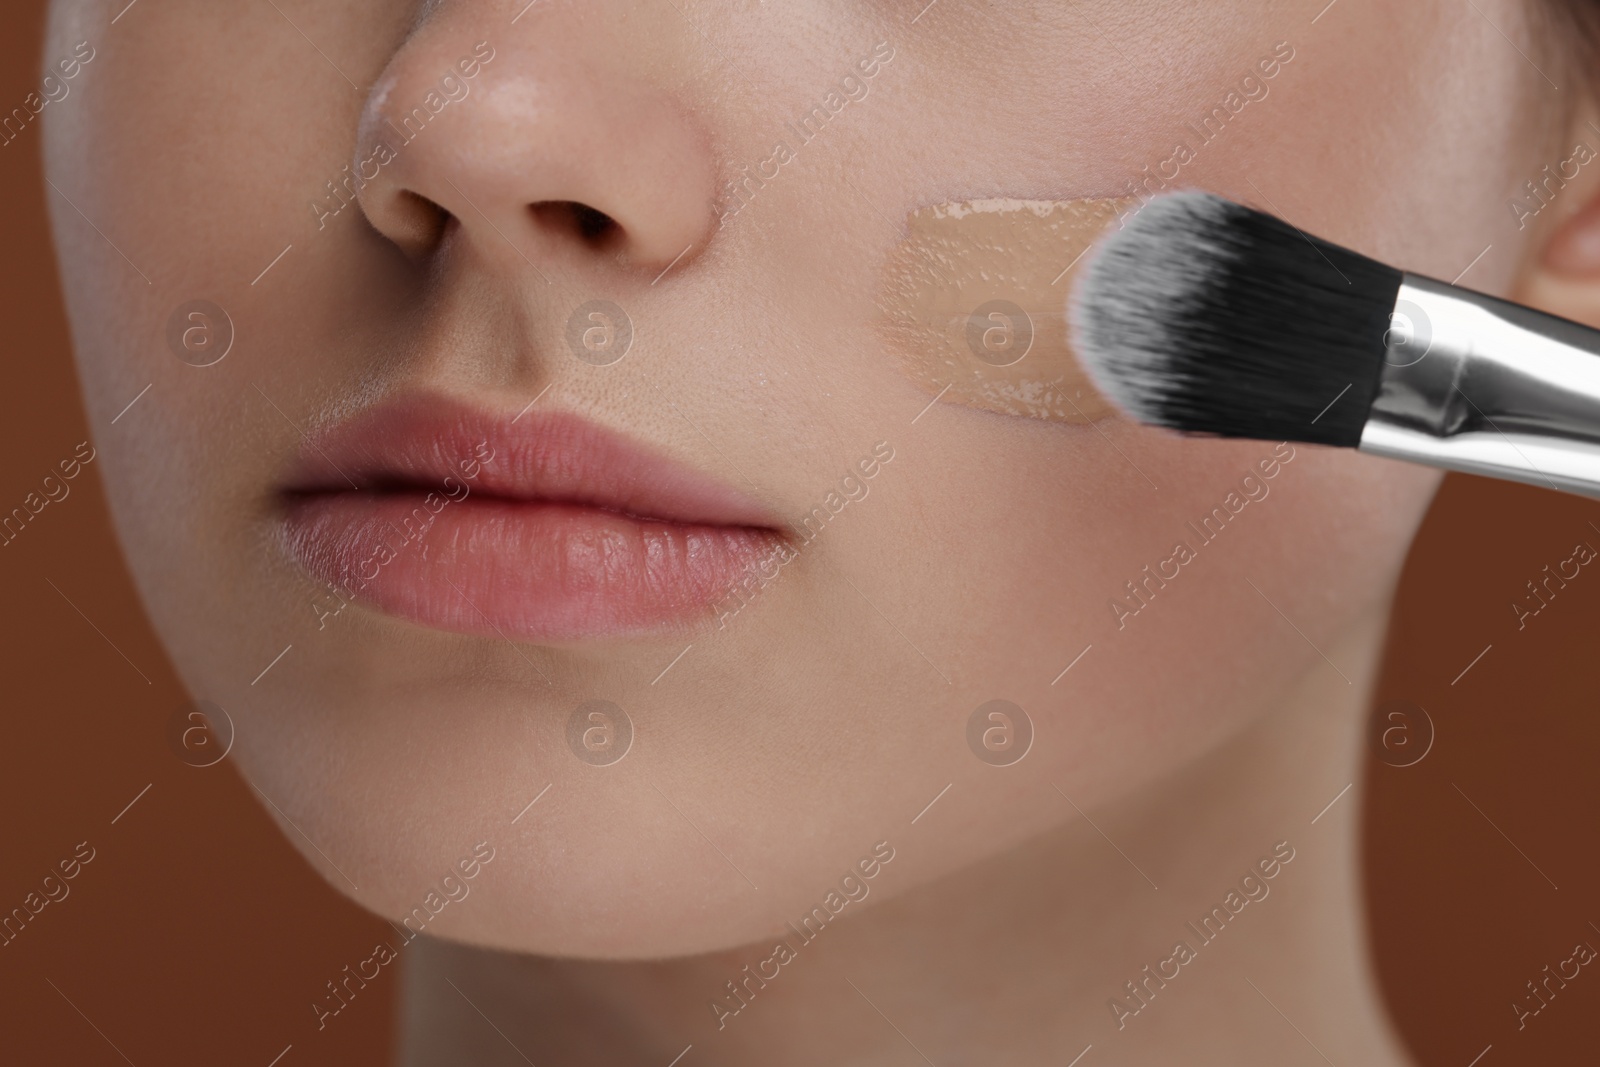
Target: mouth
[(540, 527)]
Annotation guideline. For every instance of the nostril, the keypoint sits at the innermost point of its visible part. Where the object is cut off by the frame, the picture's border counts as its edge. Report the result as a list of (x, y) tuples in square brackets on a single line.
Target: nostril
[(593, 225), (589, 225)]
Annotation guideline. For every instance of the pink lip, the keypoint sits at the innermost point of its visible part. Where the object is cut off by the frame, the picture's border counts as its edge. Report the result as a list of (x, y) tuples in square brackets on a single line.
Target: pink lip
[(544, 527)]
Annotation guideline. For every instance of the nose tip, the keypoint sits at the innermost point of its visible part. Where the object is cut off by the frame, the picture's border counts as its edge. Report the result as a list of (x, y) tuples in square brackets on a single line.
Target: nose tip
[(537, 150)]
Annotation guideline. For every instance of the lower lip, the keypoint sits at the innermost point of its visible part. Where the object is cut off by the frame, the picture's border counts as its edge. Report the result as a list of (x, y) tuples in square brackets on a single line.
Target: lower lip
[(530, 570)]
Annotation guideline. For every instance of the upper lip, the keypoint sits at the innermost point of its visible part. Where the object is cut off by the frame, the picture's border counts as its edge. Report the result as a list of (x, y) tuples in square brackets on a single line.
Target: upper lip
[(416, 443)]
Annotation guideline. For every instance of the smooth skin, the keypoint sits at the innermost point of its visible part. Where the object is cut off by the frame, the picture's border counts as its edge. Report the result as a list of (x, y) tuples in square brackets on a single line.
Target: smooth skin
[(826, 714)]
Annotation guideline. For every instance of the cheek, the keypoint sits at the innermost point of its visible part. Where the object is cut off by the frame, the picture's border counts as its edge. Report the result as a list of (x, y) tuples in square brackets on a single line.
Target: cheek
[(971, 302), (1411, 158), (1394, 170), (1032, 576), (200, 190)]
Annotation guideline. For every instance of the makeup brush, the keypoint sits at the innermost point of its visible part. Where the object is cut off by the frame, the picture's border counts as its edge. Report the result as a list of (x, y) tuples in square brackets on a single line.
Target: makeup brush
[(1211, 318)]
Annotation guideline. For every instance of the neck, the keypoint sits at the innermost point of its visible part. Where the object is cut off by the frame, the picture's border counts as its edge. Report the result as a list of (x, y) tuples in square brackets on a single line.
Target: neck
[(1034, 955)]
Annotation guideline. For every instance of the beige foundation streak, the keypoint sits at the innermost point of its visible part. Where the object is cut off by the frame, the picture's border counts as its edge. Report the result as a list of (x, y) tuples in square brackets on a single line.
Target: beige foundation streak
[(973, 303)]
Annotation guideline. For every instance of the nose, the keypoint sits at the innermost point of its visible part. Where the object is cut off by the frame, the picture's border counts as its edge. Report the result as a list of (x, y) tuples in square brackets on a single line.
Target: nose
[(538, 139)]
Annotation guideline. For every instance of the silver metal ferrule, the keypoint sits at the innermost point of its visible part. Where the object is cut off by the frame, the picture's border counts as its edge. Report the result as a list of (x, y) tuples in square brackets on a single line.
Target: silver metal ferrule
[(1477, 384)]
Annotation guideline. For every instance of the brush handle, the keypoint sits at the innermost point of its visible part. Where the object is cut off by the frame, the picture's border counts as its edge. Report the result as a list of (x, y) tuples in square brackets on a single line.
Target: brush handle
[(1477, 384)]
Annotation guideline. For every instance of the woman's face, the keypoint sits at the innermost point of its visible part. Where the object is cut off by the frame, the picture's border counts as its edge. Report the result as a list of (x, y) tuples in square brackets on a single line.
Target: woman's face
[(420, 514)]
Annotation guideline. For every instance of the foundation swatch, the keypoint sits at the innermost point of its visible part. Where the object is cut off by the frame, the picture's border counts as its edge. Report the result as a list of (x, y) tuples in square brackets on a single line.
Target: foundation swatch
[(973, 303)]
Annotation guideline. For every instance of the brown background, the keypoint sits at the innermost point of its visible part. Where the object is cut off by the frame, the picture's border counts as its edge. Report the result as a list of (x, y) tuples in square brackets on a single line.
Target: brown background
[(197, 935)]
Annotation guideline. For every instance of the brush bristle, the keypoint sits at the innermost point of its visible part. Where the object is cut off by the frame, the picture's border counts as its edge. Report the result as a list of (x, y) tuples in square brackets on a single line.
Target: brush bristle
[(1208, 317)]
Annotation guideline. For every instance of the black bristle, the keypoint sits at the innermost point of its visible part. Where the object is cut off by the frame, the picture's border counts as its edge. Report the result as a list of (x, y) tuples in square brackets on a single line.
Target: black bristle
[(1211, 318)]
